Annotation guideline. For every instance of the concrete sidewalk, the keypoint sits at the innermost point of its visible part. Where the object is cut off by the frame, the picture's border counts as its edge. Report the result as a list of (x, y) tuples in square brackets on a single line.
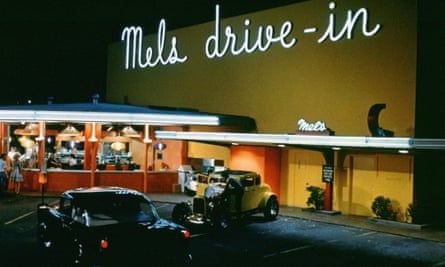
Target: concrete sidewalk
[(409, 230)]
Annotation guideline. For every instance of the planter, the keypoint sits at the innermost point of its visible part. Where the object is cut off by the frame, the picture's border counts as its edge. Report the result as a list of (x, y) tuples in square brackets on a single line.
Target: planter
[(397, 224)]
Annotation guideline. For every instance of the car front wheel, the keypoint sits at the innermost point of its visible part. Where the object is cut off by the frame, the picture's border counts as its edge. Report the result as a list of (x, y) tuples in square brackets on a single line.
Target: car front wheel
[(272, 208)]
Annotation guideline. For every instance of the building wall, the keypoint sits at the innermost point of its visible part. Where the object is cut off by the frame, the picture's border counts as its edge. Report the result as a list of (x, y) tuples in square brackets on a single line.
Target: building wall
[(207, 151), (358, 180), (333, 81), (300, 169), (379, 175), (263, 160)]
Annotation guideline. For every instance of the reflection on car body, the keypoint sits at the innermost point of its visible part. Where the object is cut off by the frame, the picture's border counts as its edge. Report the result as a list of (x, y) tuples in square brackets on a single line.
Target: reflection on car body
[(110, 225)]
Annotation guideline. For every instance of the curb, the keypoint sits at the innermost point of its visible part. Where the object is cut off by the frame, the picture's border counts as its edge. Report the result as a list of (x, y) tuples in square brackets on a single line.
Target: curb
[(398, 224)]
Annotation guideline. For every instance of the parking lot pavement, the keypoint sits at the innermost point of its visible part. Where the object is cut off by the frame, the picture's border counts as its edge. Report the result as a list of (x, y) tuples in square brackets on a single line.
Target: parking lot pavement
[(428, 233), (403, 229)]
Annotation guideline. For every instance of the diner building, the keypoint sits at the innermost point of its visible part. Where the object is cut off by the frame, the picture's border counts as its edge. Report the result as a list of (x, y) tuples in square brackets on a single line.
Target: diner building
[(337, 94), (347, 86)]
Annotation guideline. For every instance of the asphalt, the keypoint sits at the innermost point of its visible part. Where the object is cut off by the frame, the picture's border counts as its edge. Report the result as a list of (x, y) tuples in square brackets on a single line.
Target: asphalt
[(425, 232)]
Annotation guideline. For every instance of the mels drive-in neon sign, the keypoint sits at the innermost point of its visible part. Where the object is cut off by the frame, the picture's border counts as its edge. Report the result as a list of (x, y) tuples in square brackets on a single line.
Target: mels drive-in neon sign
[(225, 41)]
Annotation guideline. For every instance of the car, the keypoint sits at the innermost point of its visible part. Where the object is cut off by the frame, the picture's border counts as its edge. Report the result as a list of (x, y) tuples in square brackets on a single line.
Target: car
[(191, 183), (115, 226), (224, 197)]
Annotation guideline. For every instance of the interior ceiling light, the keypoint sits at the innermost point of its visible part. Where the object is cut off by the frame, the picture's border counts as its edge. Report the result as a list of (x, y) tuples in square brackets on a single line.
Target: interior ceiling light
[(69, 131), (112, 139), (75, 138), (26, 142), (118, 146), (160, 146), (128, 131), (30, 129)]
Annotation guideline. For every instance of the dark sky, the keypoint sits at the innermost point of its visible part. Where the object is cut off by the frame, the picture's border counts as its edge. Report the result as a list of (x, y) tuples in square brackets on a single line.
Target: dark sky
[(58, 48)]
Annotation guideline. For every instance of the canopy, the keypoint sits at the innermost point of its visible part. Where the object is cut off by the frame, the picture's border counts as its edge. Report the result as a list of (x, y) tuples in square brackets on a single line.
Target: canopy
[(118, 113)]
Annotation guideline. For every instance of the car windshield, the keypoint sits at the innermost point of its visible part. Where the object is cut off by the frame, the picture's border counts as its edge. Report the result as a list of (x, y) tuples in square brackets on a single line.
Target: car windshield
[(104, 209)]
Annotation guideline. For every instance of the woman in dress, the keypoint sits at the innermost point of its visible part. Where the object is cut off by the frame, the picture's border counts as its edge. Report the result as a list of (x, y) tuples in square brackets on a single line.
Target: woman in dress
[(16, 174)]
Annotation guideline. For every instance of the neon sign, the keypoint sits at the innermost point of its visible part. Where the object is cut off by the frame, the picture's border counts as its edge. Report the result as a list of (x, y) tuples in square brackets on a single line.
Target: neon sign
[(349, 25), (265, 38), (133, 50), (225, 41), (304, 126)]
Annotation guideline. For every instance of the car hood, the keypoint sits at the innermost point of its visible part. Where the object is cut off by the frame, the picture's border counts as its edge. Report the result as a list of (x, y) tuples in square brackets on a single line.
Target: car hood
[(163, 223)]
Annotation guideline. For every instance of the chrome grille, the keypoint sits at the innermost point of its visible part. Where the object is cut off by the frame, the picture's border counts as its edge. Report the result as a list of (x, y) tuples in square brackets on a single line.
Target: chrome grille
[(198, 205)]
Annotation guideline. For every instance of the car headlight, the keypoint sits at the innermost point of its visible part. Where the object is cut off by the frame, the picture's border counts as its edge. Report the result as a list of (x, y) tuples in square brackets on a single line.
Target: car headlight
[(211, 204)]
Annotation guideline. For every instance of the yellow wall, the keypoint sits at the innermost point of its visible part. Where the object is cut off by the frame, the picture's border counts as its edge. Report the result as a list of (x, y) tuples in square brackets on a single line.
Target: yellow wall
[(206, 151), (381, 175), (299, 169), (357, 182), (336, 82)]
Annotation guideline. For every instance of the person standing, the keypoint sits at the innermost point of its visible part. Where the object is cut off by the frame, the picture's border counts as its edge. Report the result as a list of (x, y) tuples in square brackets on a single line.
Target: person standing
[(3, 170), (233, 186), (72, 162), (12, 152), (16, 174), (8, 170)]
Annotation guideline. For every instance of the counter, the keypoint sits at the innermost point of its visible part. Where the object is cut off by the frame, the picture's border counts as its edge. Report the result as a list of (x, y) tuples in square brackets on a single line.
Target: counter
[(59, 180)]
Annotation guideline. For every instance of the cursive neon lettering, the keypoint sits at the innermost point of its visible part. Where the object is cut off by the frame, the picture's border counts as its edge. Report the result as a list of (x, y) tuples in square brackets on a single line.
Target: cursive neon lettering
[(127, 33), (225, 41), (132, 36), (305, 126), (232, 45), (349, 25)]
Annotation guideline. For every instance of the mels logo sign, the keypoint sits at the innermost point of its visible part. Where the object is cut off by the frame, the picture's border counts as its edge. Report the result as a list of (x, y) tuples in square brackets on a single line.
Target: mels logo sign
[(316, 128)]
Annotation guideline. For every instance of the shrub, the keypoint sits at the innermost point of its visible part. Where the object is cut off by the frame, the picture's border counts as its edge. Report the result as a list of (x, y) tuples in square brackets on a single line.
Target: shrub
[(316, 197), (412, 213), (382, 207)]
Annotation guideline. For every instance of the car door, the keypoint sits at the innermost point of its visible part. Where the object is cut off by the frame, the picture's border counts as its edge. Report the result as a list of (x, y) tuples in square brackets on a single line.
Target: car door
[(64, 220), (249, 198), (55, 225)]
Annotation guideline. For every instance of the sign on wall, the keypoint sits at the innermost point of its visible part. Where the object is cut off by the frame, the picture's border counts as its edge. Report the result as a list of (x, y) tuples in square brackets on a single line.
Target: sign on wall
[(313, 128), (327, 173), (227, 40)]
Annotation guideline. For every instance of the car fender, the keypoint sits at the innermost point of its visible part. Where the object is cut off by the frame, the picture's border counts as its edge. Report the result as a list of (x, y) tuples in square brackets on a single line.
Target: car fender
[(266, 197)]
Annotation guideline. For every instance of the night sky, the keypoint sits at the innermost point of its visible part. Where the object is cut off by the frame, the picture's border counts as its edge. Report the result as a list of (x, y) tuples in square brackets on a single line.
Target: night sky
[(58, 48)]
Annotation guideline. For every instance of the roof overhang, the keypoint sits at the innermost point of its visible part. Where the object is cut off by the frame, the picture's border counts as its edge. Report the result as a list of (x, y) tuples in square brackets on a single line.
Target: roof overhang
[(125, 114), (308, 141), (101, 117)]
